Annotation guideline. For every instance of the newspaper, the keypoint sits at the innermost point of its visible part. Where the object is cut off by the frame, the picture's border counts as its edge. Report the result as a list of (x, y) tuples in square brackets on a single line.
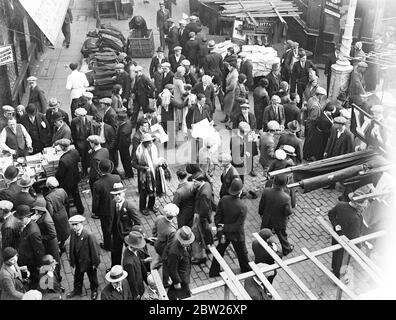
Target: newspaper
[(202, 129), (158, 131)]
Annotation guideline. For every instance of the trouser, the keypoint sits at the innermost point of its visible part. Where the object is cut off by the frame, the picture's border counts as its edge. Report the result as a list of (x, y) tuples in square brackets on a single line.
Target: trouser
[(143, 201), (34, 276), (66, 32), (135, 114), (282, 236), (162, 38), (105, 223), (116, 250), (79, 278), (125, 156), (336, 260), (73, 107), (240, 250), (300, 91), (259, 113), (113, 155), (157, 264), (75, 194), (328, 83), (220, 96), (82, 149)]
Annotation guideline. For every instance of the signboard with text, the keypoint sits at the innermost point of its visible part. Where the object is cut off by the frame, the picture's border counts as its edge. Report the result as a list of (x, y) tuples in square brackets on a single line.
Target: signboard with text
[(6, 55)]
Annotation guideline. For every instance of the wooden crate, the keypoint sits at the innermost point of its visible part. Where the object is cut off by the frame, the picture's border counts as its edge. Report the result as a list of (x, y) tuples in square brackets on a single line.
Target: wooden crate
[(141, 47)]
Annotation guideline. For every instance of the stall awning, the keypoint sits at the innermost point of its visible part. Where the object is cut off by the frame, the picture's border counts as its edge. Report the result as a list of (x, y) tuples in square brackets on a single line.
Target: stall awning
[(48, 15), (251, 9)]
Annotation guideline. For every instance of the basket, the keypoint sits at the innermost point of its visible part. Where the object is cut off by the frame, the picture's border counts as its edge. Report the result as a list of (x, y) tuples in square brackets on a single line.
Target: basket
[(141, 47)]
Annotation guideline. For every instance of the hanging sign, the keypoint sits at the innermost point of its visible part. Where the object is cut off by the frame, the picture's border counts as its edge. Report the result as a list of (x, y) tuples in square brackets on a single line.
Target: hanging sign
[(6, 55)]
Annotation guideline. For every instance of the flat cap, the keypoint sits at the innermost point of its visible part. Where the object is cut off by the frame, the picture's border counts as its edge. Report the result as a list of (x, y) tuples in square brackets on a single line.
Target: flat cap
[(52, 102), (362, 64), (171, 209), (76, 219), (8, 108), (273, 125), (193, 17), (63, 142), (191, 34), (119, 66), (160, 49), (6, 205), (165, 65), (95, 139), (244, 126), (169, 86), (321, 90), (211, 44), (244, 105), (105, 101), (276, 98), (186, 62), (340, 120), (31, 78), (88, 94), (182, 21), (177, 48), (80, 112), (280, 154), (138, 68)]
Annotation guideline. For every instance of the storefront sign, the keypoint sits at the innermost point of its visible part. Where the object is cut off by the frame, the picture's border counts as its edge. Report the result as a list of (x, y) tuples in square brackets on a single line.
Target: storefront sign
[(261, 28), (48, 15), (6, 55)]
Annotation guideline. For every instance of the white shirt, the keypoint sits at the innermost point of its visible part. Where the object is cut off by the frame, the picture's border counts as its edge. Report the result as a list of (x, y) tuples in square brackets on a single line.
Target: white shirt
[(3, 138), (102, 135), (340, 132), (76, 82)]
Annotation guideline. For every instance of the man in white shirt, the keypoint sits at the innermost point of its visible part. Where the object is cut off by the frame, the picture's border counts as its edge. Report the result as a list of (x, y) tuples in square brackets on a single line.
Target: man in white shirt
[(15, 139), (77, 83)]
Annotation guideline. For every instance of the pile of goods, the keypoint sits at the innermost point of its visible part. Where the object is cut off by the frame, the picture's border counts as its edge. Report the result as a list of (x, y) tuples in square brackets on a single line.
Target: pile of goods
[(262, 58), (222, 47)]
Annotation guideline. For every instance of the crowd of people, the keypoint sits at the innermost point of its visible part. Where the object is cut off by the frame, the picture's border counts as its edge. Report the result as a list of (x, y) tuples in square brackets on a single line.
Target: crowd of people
[(288, 106)]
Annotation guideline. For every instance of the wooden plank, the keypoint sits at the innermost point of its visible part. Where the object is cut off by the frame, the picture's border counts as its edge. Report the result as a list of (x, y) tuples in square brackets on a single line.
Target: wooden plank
[(231, 286), (229, 272), (265, 281), (285, 267), (159, 284), (332, 277), (345, 246), (250, 16), (372, 195)]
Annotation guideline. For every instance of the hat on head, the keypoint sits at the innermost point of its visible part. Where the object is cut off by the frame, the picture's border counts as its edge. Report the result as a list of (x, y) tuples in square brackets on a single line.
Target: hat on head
[(280, 154), (63, 142), (273, 125), (169, 86), (276, 98), (187, 86), (186, 62), (25, 181), (185, 236), (8, 253), (266, 234), (330, 106), (160, 49), (340, 120), (57, 116), (138, 68), (170, 20), (289, 150), (31, 78), (161, 3), (235, 187), (6, 205), (80, 112), (289, 42), (191, 34), (198, 175), (377, 108), (171, 209), (243, 54), (211, 44), (8, 108), (48, 260), (244, 126), (182, 21), (119, 66), (135, 240), (177, 48), (147, 137), (193, 17), (138, 228), (359, 45), (275, 67), (95, 139), (78, 218), (32, 295), (293, 126), (295, 44), (321, 90), (118, 187), (105, 101), (22, 211), (122, 55), (116, 274), (357, 193), (233, 64), (192, 168), (362, 64), (52, 102), (165, 65), (225, 157), (244, 105), (52, 182), (88, 94), (106, 166), (11, 172)]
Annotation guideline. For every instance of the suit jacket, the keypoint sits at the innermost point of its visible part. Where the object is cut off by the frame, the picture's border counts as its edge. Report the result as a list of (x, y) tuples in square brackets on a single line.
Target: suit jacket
[(168, 79), (162, 17), (155, 62), (289, 138), (101, 197), (110, 117), (174, 63), (37, 97), (192, 51), (231, 211), (240, 118), (172, 38), (178, 262), (267, 149), (213, 64), (193, 26), (247, 69), (24, 198), (137, 273), (67, 172), (50, 118), (209, 93), (11, 284), (269, 114), (84, 249), (109, 293), (63, 132), (96, 157), (124, 80), (226, 180), (348, 218), (79, 131), (44, 133), (274, 208), (292, 112), (125, 219), (124, 133), (261, 255), (31, 248), (136, 140), (339, 146), (273, 84), (194, 116), (165, 231), (299, 74), (143, 90), (110, 136), (203, 201), (183, 38), (184, 198)]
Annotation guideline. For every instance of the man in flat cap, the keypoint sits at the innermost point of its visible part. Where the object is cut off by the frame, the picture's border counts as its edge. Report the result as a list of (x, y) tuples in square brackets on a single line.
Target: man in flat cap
[(191, 49), (156, 61), (84, 257), (36, 95), (213, 63), (340, 141), (172, 36), (15, 139), (124, 80), (183, 34), (108, 135), (8, 113), (62, 130), (81, 128), (86, 102), (194, 25), (274, 111), (176, 58), (167, 75), (67, 173), (77, 83), (163, 15), (357, 86), (53, 108)]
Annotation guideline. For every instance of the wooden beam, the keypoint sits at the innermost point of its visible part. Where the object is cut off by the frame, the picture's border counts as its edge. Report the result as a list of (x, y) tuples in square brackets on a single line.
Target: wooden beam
[(248, 13), (285, 267), (159, 284), (332, 277), (277, 13), (265, 281), (231, 286), (372, 195), (352, 253)]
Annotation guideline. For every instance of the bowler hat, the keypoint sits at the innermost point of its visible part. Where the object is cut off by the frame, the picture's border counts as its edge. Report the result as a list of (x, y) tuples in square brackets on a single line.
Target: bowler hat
[(235, 187), (25, 181), (8, 253), (118, 187), (294, 126), (116, 274), (135, 240), (106, 166), (22, 211), (185, 236), (11, 172)]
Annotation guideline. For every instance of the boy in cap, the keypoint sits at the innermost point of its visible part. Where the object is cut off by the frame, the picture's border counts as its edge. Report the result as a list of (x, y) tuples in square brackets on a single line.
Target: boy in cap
[(84, 257), (37, 96), (118, 287)]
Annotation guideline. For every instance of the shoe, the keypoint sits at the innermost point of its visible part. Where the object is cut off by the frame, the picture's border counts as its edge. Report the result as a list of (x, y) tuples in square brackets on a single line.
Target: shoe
[(62, 289), (243, 194), (253, 194), (288, 251), (145, 212), (103, 247), (198, 261), (94, 216), (253, 174), (154, 209), (73, 294), (94, 295)]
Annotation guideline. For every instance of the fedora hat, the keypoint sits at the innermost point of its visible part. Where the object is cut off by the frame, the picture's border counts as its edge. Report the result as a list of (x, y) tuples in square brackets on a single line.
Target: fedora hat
[(235, 187), (116, 274), (106, 166), (135, 239), (25, 181), (22, 211), (11, 172), (147, 137), (118, 187), (185, 236), (294, 126)]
